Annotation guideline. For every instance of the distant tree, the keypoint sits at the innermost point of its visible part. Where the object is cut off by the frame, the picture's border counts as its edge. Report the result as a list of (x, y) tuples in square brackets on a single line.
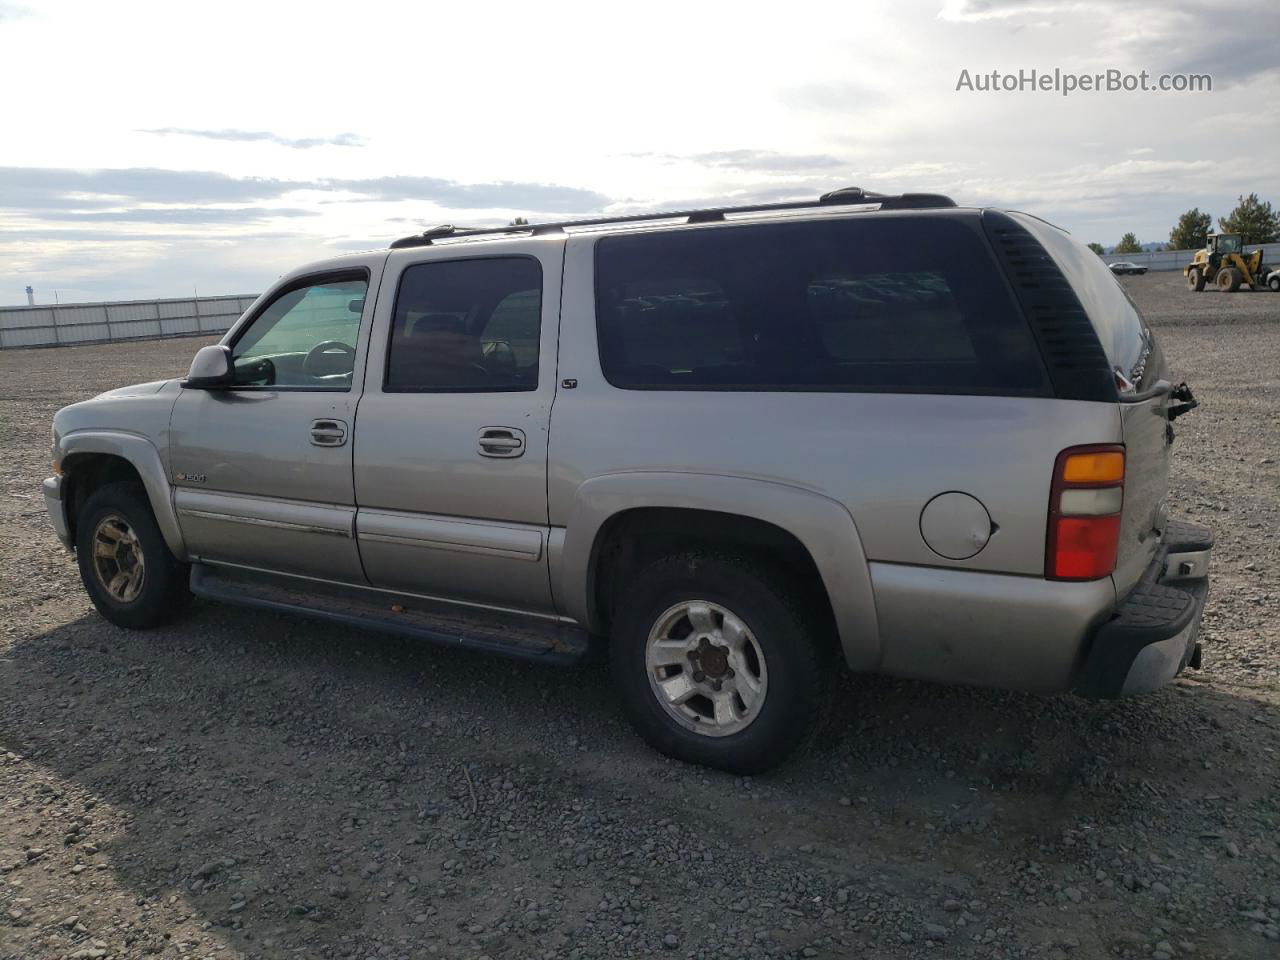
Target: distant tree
[(519, 222), (1190, 230), (1097, 248), (1254, 219), (1128, 244)]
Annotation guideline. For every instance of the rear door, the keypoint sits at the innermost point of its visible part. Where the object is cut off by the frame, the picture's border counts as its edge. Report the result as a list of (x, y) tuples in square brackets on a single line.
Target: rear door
[(451, 441), (1143, 389)]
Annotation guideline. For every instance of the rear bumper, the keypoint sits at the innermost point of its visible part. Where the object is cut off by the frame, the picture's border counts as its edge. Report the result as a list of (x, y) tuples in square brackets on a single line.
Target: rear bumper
[(986, 629), (1153, 635), (57, 509)]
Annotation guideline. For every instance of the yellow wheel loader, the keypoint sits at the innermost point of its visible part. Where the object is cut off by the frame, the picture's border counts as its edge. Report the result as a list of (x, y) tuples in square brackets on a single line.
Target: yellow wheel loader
[(1223, 263)]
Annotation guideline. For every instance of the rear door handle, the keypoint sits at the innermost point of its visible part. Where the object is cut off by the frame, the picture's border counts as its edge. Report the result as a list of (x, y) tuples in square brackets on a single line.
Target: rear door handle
[(501, 442), (328, 433)]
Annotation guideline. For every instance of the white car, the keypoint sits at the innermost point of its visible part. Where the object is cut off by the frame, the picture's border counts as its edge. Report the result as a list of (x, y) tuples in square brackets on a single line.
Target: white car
[(1273, 281)]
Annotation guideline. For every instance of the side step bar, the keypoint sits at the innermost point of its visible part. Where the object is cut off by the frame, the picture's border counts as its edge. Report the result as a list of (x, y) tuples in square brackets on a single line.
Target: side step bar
[(493, 631)]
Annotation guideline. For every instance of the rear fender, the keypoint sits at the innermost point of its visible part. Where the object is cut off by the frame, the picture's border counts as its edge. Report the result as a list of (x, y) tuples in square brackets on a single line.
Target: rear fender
[(822, 525)]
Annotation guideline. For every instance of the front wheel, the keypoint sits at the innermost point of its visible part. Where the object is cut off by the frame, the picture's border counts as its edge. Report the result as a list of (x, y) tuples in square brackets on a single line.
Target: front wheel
[(715, 662), (1274, 284), (127, 569)]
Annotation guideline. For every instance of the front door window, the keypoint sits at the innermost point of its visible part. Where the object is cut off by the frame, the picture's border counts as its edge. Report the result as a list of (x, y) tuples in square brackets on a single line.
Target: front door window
[(305, 339)]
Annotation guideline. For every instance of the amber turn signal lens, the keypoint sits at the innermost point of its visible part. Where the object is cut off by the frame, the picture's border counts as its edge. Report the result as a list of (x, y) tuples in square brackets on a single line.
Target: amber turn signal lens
[(1101, 467)]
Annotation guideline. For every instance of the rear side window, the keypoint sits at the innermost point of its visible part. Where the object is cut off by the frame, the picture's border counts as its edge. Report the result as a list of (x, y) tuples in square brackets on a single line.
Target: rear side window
[(902, 316), (466, 325), (877, 304), (1120, 327)]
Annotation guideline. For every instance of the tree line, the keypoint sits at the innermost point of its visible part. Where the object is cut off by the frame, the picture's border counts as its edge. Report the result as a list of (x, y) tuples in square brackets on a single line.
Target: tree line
[(1253, 218)]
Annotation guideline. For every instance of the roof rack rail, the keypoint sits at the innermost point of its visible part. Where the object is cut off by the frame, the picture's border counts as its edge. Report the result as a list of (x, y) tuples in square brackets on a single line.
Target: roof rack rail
[(845, 195)]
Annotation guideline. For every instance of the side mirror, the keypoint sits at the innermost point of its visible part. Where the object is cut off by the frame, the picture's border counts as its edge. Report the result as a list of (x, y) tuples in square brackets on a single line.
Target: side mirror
[(211, 368)]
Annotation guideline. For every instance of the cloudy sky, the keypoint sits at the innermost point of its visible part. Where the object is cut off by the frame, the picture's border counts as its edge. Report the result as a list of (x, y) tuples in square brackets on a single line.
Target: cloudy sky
[(150, 149)]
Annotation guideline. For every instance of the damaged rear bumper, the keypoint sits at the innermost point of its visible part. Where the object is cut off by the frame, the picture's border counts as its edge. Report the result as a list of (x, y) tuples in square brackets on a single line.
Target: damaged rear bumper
[(1154, 633)]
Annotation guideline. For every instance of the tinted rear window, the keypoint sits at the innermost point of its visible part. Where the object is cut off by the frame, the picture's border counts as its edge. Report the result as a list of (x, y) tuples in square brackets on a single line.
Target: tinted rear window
[(913, 305), (1119, 325)]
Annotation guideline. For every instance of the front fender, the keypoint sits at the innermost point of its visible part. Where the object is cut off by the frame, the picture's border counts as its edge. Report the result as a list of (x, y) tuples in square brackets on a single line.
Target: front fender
[(145, 458), (822, 525)]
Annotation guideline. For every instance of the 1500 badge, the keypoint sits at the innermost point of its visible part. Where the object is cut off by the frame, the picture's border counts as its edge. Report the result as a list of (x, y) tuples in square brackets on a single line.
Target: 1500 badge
[(190, 478)]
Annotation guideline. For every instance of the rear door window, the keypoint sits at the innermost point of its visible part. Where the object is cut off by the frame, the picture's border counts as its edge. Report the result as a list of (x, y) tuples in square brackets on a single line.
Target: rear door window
[(466, 325), (878, 304)]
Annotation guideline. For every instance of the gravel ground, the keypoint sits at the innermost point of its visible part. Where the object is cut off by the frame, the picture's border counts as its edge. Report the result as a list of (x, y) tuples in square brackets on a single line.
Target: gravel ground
[(251, 785)]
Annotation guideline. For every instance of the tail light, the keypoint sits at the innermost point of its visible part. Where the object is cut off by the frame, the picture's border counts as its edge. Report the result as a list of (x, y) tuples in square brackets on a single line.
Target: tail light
[(1084, 512)]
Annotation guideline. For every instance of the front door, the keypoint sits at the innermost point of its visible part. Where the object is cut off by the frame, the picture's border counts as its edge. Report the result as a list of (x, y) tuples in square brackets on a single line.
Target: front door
[(262, 470), (451, 445)]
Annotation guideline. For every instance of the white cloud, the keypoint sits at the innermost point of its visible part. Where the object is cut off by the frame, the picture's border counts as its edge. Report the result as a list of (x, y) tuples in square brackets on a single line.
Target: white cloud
[(261, 136), (975, 11)]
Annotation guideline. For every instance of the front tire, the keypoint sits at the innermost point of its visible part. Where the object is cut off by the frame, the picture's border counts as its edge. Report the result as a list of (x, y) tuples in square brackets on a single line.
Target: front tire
[(1274, 284), (1229, 279), (715, 662), (127, 569)]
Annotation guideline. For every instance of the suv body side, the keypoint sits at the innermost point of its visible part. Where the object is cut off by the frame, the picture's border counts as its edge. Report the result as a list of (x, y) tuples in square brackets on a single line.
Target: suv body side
[(414, 502)]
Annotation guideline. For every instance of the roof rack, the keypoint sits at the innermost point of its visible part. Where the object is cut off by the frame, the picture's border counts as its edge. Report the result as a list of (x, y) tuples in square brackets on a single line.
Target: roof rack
[(846, 195)]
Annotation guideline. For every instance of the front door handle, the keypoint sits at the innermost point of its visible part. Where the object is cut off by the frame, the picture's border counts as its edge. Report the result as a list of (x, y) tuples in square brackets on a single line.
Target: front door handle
[(501, 442), (328, 433)]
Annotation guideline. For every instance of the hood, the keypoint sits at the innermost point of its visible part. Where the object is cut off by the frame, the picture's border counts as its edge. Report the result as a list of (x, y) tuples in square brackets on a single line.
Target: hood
[(135, 390)]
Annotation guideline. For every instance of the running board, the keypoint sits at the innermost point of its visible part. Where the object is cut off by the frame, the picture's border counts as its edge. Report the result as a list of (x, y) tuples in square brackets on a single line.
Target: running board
[(448, 624)]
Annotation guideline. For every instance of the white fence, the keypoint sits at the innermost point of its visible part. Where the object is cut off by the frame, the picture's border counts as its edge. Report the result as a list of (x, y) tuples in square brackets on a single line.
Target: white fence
[(1177, 259), (70, 323)]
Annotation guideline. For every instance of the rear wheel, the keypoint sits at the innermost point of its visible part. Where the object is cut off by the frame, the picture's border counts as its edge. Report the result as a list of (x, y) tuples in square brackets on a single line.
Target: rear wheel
[(127, 569), (1195, 279), (1229, 279), (1274, 284), (715, 663)]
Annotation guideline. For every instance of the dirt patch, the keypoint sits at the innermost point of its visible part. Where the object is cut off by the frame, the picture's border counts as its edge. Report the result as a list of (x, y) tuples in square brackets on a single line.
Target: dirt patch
[(251, 785)]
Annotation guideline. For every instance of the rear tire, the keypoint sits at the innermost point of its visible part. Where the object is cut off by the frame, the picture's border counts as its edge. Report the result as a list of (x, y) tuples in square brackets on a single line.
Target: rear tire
[(1195, 279), (1274, 284), (715, 662), (127, 569)]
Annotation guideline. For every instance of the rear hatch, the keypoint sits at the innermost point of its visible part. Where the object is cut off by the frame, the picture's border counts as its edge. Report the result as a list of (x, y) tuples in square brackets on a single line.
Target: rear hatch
[(1142, 381)]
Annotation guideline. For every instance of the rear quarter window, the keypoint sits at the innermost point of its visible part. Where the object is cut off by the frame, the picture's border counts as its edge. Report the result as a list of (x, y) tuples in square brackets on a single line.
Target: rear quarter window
[(910, 304), (1120, 327)]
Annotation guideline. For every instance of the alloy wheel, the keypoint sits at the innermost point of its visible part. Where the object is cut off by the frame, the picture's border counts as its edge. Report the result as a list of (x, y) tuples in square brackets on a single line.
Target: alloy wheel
[(117, 559), (706, 668)]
